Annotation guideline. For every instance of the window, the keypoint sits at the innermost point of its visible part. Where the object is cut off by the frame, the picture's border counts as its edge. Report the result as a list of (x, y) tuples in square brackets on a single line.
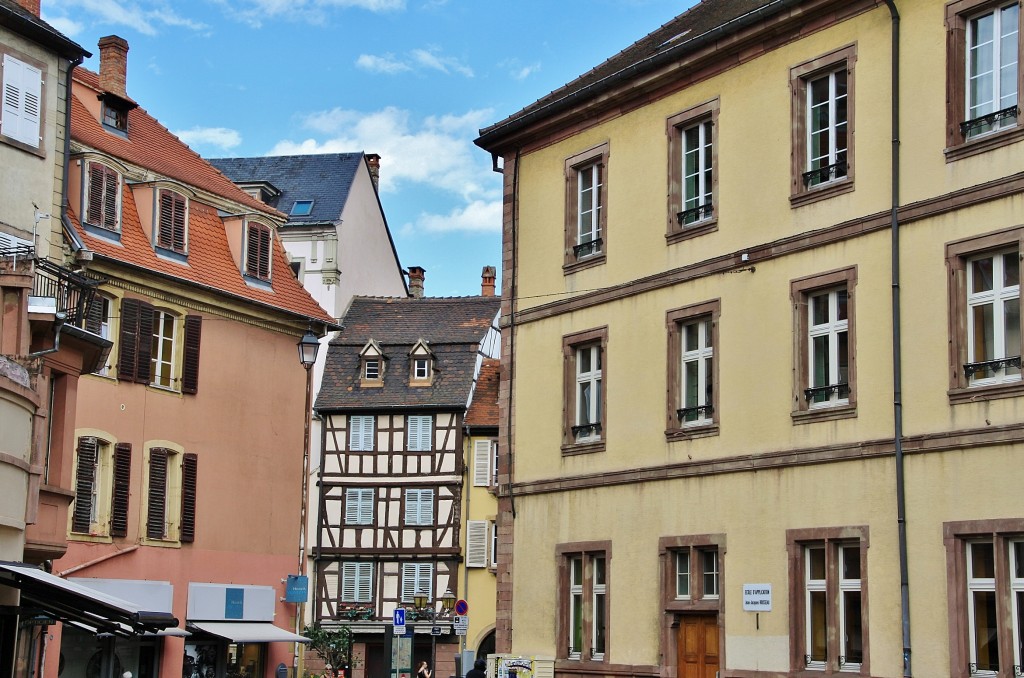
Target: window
[(828, 590), (692, 171), (371, 365), (484, 455), (360, 433), (477, 532), (421, 368), (585, 369), (147, 343), (494, 543), (371, 369), (823, 126), (417, 578), (302, 208), (421, 363), (98, 321), (583, 613), (359, 505), (258, 241), (356, 582), (21, 116), (419, 507), (115, 116), (825, 344), (103, 197), (586, 215), (172, 229), (985, 322), (983, 76), (692, 370), (692, 572), (419, 433), (102, 477), (171, 495), (163, 348)]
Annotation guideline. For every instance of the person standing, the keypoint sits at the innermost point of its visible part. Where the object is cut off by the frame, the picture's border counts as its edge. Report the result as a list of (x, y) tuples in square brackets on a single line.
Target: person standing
[(479, 669), (423, 671)]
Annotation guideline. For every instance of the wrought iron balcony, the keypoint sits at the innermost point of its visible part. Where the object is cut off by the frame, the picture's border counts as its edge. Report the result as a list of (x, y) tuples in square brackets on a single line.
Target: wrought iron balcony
[(826, 173), (74, 293), (842, 390), (587, 248), (991, 365), (986, 123), (695, 214), (685, 412), (587, 430)]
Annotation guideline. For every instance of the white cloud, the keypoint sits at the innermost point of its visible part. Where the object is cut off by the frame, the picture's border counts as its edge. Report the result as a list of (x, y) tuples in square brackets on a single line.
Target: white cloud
[(218, 137), (254, 12), (478, 216), (144, 17), (431, 59), (65, 25), (517, 70), (381, 64)]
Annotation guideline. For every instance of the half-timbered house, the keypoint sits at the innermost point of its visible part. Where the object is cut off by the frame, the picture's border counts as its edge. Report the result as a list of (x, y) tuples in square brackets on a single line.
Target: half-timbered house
[(398, 381)]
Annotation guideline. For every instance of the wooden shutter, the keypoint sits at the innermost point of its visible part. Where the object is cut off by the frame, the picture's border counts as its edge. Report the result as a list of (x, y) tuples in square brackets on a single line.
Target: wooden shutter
[(257, 258), (481, 463), (356, 582), (171, 233), (419, 433), (110, 182), (189, 473), (94, 316), (94, 210), (122, 487), (417, 577), (476, 543), (22, 96), (360, 432), (85, 478), (156, 517), (136, 341), (190, 366), (358, 505)]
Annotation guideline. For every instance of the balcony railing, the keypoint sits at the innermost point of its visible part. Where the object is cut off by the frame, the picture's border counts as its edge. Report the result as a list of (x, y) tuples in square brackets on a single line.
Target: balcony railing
[(74, 293)]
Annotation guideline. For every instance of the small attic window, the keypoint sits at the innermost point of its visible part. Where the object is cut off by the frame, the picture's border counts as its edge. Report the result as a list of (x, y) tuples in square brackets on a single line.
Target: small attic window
[(371, 365), (114, 117), (421, 364), (302, 208), (421, 368), (371, 369)]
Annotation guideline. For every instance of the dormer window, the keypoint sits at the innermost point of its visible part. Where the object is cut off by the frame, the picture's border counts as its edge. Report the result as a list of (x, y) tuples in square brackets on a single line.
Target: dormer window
[(371, 365), (103, 197), (421, 368), (257, 250), (421, 364), (172, 229), (371, 369), (115, 117), (302, 208)]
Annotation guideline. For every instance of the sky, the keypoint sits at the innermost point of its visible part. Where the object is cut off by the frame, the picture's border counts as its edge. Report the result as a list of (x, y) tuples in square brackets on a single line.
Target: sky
[(411, 80)]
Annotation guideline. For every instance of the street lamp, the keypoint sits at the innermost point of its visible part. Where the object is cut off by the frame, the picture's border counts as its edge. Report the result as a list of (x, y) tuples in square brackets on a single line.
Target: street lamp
[(419, 601), (308, 347)]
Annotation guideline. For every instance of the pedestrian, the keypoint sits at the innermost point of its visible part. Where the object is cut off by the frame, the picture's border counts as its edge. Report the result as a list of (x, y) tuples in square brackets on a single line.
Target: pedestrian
[(479, 669), (328, 672), (423, 671)]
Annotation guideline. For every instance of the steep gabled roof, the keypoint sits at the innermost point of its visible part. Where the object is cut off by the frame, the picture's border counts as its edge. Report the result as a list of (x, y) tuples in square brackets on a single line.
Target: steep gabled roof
[(453, 327), (483, 411), (17, 18), (326, 179)]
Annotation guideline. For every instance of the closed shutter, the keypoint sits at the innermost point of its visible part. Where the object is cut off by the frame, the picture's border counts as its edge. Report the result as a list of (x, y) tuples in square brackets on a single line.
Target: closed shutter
[(171, 234), (359, 505), (122, 486), (482, 463), (189, 473), (136, 341), (360, 433), (22, 96), (417, 577), (95, 316), (419, 433), (419, 507), (257, 254), (190, 365), (85, 478), (156, 517), (356, 582), (476, 543), (330, 585), (101, 209)]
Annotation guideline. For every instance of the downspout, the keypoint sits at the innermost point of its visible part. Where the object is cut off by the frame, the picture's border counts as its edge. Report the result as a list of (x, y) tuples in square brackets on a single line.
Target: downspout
[(65, 223), (512, 327), (897, 353)]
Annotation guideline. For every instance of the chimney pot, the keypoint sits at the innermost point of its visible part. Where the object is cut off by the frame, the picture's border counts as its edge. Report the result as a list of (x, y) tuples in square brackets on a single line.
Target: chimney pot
[(487, 281), (416, 275), (114, 65)]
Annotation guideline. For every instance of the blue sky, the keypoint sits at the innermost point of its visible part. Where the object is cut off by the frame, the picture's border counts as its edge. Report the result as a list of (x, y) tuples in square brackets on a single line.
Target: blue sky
[(411, 80)]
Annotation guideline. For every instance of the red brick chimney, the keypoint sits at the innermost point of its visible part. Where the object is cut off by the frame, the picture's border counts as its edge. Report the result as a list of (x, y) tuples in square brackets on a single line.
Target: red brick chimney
[(30, 6), (416, 275), (373, 163), (487, 281), (114, 65)]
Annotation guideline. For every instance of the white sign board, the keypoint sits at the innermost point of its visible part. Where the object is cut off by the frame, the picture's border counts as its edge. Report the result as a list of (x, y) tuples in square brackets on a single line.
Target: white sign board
[(757, 597), (461, 624)]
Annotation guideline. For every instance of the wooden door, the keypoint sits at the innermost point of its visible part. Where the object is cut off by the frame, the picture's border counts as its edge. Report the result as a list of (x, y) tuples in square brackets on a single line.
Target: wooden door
[(697, 646)]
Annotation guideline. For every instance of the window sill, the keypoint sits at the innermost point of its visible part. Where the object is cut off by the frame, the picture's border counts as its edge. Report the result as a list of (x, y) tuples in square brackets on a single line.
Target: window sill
[(974, 394), (680, 233), (691, 432), (94, 537), (821, 192), (161, 543), (171, 255), (34, 150), (101, 232), (257, 283), (984, 143), (583, 448), (824, 414), (164, 389), (371, 383), (580, 264)]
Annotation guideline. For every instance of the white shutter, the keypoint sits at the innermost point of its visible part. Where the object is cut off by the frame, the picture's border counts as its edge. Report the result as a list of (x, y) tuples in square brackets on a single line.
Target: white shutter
[(482, 463), (418, 433), (417, 577), (349, 572), (476, 543), (356, 580), (364, 583), (427, 507), (359, 505), (419, 507), (360, 433), (22, 96)]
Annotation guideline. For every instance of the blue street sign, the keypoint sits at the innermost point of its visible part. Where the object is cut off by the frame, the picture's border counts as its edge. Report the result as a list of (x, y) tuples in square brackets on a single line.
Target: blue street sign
[(399, 618)]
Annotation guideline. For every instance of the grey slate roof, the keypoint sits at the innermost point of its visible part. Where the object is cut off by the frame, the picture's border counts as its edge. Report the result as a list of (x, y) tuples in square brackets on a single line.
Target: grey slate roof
[(453, 328), (17, 18), (325, 179), (706, 21)]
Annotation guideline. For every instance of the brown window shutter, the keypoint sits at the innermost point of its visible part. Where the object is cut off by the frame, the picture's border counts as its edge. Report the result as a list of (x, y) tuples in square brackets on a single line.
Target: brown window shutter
[(178, 224), (189, 469), (156, 517), (190, 366), (94, 316), (143, 368), (94, 211), (110, 180), (171, 234), (122, 485), (264, 253), (136, 341), (257, 259), (85, 477)]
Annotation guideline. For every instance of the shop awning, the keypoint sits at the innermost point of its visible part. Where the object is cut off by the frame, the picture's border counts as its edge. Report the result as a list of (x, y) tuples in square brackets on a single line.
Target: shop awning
[(249, 632), (68, 601)]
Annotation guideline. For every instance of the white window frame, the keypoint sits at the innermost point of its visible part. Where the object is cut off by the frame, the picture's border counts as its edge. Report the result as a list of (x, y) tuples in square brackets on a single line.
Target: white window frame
[(356, 582), (371, 369), (832, 329), (848, 585), (589, 205), (417, 577), (589, 379), (482, 455), (978, 585), (22, 115), (701, 150), (164, 350), (419, 432), (359, 503), (998, 297), (598, 604), (682, 570), (999, 100), (421, 368), (575, 594), (830, 129), (477, 532), (1016, 594), (703, 355), (712, 572), (361, 432), (812, 586), (419, 506), (493, 526)]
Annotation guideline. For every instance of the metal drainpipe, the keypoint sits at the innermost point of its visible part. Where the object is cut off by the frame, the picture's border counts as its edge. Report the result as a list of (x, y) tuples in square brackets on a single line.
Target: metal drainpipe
[(897, 362), (72, 64)]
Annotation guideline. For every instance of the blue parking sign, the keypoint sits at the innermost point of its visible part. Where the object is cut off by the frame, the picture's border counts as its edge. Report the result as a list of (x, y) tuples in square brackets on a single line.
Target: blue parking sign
[(399, 616)]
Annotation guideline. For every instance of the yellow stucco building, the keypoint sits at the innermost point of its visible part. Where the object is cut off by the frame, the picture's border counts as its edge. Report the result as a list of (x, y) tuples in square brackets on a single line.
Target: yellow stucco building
[(762, 342)]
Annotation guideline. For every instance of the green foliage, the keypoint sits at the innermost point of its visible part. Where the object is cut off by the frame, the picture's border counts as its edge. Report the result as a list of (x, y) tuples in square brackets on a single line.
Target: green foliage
[(334, 645)]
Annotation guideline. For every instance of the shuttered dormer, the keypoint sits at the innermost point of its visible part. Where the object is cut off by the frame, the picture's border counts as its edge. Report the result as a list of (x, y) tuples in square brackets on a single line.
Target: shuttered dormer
[(258, 241), (172, 221), (102, 200)]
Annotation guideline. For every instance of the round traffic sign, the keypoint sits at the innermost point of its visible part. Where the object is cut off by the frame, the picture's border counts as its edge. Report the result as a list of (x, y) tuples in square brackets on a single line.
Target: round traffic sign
[(461, 607)]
